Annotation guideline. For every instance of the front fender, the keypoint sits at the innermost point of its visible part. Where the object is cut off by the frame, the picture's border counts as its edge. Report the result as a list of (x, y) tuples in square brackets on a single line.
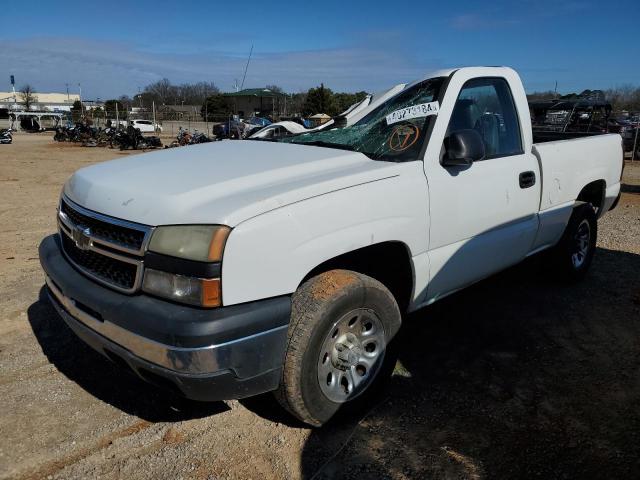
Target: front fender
[(269, 255)]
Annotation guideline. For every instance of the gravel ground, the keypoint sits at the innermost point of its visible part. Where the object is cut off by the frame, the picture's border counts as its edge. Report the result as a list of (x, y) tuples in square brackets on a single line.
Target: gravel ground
[(520, 376)]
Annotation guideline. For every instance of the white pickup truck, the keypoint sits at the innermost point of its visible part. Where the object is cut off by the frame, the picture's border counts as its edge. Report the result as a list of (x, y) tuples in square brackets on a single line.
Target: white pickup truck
[(230, 269)]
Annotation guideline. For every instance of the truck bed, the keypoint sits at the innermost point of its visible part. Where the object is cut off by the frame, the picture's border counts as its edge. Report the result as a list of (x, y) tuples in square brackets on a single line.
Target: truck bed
[(567, 166), (543, 136)]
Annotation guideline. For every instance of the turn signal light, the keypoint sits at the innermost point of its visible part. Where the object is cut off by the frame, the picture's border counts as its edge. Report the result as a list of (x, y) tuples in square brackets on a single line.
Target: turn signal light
[(211, 294)]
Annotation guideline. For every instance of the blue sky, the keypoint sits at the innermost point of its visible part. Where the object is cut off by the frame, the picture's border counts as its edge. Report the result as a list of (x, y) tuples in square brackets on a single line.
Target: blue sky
[(114, 47)]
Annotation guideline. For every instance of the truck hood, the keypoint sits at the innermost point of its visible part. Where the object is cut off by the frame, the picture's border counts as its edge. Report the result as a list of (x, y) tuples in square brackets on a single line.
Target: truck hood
[(218, 183)]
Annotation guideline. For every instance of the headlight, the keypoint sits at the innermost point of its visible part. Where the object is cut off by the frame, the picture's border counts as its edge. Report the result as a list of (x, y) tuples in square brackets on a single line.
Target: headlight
[(203, 292), (199, 243), (203, 243)]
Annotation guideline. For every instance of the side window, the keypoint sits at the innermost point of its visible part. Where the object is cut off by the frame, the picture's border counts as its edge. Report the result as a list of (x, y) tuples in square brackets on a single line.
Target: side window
[(269, 133), (486, 105)]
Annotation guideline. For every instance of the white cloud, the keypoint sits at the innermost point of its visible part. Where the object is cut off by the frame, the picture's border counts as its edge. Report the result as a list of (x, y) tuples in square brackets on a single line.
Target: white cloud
[(472, 21), (108, 69)]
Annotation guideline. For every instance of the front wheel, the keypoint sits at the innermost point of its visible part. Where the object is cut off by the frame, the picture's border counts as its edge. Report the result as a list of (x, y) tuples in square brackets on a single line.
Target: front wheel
[(340, 349), (574, 252)]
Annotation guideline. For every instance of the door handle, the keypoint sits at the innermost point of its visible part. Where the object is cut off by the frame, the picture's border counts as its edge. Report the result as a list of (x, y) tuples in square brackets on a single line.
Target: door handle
[(527, 179)]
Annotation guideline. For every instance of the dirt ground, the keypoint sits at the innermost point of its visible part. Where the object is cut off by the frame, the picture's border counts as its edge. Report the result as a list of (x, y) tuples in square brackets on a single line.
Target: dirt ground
[(520, 376)]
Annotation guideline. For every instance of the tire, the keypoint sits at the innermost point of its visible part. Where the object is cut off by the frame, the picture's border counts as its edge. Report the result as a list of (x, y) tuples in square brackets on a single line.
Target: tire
[(574, 253), (340, 349)]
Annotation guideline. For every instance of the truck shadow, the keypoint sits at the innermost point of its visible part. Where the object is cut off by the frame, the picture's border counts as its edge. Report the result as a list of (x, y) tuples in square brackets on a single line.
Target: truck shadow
[(102, 378), (627, 188), (519, 376)]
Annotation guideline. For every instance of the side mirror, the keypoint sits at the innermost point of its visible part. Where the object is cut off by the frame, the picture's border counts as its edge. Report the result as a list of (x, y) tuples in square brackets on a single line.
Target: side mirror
[(463, 148)]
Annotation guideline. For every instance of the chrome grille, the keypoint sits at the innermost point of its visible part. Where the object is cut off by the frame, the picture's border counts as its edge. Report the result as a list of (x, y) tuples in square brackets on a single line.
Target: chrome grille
[(110, 270), (104, 248), (108, 232)]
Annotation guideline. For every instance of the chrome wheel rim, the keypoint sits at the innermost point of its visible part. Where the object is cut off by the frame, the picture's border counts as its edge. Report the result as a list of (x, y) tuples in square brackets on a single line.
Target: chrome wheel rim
[(581, 242), (351, 355)]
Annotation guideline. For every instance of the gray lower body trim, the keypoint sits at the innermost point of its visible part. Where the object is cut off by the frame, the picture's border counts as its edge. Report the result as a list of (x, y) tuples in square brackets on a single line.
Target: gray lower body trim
[(246, 357)]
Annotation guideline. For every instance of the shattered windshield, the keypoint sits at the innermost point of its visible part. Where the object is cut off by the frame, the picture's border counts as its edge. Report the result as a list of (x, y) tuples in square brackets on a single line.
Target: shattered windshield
[(395, 131)]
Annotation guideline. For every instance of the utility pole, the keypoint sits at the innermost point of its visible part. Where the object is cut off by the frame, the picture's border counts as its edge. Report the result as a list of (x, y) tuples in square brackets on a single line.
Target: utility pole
[(13, 88), (154, 115), (206, 111), (81, 106), (246, 68), (68, 99), (635, 144)]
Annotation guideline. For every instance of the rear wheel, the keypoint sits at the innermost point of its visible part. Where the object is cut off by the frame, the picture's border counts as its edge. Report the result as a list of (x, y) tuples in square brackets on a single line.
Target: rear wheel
[(340, 345), (574, 252)]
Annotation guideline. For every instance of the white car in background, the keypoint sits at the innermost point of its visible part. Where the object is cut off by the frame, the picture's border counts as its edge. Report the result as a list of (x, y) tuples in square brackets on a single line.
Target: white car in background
[(279, 129), (359, 110), (146, 126), (351, 115)]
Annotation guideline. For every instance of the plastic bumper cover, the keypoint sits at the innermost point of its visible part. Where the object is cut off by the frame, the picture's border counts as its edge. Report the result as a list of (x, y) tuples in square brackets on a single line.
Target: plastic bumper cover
[(224, 353)]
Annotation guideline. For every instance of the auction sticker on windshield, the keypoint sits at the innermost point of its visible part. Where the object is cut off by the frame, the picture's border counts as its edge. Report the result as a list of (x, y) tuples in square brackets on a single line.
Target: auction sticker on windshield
[(414, 111)]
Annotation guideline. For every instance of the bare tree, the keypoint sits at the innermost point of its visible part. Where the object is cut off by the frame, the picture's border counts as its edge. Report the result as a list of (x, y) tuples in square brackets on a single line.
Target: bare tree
[(540, 96), (164, 92), (624, 97), (160, 91), (295, 103), (28, 96)]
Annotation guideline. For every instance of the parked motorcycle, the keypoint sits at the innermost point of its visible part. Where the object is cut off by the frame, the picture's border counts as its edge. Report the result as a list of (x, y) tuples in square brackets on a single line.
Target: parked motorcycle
[(183, 137), (79, 133), (199, 137), (62, 134), (131, 138), (5, 136), (231, 129)]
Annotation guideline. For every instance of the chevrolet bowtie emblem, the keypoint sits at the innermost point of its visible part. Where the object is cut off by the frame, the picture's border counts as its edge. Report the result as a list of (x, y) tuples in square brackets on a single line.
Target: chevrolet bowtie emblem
[(81, 237)]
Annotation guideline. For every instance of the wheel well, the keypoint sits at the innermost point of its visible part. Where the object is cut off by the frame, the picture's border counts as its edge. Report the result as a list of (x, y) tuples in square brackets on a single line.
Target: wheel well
[(387, 262), (593, 193)]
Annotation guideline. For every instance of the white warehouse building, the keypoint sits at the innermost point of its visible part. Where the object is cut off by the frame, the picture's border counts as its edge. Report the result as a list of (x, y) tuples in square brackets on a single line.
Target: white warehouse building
[(48, 102)]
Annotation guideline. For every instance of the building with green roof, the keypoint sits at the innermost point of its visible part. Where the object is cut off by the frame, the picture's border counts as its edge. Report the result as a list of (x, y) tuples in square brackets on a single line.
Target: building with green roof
[(261, 102)]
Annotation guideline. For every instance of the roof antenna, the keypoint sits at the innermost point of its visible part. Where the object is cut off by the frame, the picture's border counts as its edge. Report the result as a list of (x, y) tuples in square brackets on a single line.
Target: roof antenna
[(246, 68)]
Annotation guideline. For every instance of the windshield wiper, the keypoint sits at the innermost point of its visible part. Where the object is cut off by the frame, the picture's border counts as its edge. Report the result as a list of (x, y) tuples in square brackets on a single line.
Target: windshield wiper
[(322, 143)]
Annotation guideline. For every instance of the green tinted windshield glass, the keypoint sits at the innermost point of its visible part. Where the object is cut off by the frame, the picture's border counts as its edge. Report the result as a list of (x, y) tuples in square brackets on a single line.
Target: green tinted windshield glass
[(394, 131)]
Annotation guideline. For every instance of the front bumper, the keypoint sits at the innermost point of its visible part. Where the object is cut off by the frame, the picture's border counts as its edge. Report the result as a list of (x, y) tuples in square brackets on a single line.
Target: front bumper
[(223, 353)]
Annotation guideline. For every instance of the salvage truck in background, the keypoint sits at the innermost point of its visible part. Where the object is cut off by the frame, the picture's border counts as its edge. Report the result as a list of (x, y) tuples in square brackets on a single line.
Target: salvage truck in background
[(236, 268)]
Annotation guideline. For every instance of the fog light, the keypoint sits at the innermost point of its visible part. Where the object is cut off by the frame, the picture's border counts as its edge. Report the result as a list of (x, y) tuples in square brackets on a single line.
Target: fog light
[(203, 292)]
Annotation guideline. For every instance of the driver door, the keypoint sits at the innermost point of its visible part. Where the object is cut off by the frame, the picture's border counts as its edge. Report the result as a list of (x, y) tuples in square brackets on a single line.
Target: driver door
[(483, 215)]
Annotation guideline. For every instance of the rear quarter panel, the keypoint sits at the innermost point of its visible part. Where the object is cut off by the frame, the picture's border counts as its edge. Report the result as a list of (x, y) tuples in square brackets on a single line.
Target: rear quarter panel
[(567, 167)]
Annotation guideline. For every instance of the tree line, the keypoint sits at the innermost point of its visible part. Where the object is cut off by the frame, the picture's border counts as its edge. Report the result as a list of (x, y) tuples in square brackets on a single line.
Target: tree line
[(316, 100), (163, 92), (216, 105), (626, 97)]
